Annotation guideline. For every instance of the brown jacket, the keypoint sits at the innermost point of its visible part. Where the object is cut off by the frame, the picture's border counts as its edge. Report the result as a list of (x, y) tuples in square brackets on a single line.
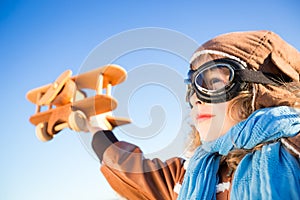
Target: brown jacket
[(137, 178)]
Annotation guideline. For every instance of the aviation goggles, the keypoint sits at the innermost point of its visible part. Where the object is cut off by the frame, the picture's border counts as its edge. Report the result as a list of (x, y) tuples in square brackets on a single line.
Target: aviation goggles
[(223, 79)]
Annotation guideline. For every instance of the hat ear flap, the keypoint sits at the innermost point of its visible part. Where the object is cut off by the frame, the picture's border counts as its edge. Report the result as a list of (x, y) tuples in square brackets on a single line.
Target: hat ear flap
[(285, 56), (284, 66)]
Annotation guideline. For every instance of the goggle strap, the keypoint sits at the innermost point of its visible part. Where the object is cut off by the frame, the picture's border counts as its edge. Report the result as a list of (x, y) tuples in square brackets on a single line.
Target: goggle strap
[(251, 76)]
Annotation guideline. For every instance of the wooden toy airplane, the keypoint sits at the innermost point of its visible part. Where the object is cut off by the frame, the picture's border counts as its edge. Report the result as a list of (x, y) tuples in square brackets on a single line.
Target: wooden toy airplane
[(68, 106)]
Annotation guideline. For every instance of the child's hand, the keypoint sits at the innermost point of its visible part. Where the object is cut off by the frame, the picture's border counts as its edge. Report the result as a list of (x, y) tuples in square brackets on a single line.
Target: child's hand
[(98, 123)]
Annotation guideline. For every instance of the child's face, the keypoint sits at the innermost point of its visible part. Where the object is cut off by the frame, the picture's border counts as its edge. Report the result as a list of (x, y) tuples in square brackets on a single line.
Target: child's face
[(211, 120)]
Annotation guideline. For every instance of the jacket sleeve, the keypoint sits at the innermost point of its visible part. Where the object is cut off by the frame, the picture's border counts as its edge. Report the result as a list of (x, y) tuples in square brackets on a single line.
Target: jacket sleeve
[(135, 177), (292, 144)]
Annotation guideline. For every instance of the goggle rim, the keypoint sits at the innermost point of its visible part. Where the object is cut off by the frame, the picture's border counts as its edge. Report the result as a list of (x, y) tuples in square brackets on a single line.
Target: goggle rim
[(229, 91)]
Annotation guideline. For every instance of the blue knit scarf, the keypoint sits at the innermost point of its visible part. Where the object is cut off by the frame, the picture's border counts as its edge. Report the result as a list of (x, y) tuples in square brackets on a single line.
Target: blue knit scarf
[(269, 173)]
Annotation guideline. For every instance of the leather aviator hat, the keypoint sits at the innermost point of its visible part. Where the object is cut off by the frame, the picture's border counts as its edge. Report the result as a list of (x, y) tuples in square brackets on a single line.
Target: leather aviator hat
[(262, 51)]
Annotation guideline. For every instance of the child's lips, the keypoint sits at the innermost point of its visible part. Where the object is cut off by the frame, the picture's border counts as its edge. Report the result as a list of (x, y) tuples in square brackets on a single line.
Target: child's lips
[(203, 117)]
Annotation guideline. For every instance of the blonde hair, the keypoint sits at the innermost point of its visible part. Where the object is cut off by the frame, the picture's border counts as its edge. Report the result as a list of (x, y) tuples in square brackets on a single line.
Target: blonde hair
[(193, 141), (242, 106)]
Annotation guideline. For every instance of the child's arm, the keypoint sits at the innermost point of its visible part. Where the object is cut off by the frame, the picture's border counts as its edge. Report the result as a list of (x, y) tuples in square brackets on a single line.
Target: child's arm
[(101, 141), (132, 175)]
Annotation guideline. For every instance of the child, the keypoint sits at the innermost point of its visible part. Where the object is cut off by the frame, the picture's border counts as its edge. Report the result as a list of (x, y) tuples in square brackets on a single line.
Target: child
[(244, 92)]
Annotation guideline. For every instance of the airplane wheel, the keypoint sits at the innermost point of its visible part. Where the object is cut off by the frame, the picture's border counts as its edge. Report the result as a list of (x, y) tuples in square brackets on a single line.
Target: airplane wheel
[(41, 132), (77, 121)]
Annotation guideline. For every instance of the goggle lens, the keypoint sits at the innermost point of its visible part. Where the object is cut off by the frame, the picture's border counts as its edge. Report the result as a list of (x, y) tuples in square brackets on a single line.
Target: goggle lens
[(214, 78)]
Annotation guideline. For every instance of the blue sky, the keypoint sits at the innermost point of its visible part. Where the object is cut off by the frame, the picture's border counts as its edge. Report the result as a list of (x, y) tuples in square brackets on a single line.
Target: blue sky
[(41, 39)]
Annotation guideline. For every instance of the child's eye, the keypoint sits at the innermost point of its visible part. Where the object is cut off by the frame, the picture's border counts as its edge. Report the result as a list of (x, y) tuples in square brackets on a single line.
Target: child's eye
[(216, 84), (214, 80)]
